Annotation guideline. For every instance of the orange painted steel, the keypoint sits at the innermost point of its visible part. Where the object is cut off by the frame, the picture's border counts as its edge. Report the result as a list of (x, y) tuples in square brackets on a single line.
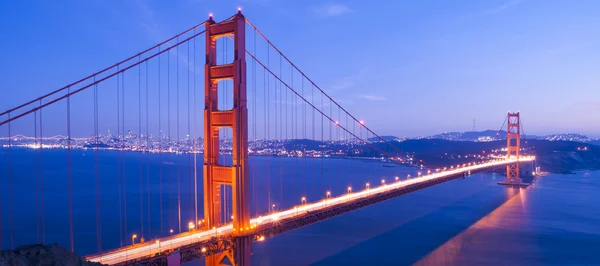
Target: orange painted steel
[(216, 174), (513, 145)]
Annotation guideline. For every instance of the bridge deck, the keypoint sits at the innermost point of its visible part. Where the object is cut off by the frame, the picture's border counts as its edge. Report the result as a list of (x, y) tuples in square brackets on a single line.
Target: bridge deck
[(201, 243)]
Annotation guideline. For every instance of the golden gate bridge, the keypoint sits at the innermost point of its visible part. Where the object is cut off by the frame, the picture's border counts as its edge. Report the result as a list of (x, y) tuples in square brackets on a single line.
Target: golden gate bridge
[(251, 91)]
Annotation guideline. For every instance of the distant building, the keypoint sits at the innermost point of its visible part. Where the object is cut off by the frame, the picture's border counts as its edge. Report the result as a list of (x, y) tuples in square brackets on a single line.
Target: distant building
[(485, 139)]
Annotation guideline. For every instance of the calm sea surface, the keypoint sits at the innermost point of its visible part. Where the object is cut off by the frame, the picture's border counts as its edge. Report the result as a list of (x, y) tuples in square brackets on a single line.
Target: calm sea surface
[(470, 221)]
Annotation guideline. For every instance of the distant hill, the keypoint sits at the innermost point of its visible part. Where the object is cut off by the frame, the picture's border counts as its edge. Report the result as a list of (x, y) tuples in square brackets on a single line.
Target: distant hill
[(491, 135), (386, 138), (553, 156), (470, 135)]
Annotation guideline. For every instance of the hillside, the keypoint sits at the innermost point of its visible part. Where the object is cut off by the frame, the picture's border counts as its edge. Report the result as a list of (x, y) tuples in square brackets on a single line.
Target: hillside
[(553, 156), (52, 254)]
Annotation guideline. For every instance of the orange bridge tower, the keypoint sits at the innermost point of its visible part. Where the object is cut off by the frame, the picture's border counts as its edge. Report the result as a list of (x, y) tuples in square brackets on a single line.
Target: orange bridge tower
[(215, 173), (513, 145)]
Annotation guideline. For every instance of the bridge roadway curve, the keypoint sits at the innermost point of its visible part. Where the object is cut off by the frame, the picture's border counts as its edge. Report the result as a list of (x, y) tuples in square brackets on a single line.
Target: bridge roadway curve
[(194, 244)]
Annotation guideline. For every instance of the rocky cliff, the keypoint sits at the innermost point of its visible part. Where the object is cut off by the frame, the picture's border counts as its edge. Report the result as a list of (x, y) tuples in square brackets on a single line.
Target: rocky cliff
[(49, 255)]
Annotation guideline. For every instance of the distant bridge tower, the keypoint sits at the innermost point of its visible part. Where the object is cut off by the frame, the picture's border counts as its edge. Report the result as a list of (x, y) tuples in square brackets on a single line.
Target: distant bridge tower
[(513, 145), (216, 174)]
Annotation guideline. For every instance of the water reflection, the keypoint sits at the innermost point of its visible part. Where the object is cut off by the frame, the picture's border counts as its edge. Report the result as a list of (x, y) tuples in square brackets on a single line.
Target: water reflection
[(508, 215)]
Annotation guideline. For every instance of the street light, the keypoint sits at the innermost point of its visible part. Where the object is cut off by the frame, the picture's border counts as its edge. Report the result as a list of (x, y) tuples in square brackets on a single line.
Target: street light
[(419, 174), (133, 237), (383, 181), (368, 185), (273, 208), (407, 176), (191, 226), (303, 200), (349, 189), (396, 178), (158, 242), (171, 231), (328, 194)]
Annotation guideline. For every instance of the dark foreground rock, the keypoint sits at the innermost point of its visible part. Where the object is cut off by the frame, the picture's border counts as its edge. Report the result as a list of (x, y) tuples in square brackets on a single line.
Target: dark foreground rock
[(50, 255)]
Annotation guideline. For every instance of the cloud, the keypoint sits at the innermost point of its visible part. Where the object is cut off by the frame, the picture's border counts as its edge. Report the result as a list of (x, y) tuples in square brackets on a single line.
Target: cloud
[(159, 32), (147, 20), (372, 97), (333, 10), (343, 84), (506, 5)]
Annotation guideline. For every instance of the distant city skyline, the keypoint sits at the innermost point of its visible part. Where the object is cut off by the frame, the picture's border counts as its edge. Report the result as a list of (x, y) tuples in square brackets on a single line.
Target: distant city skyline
[(484, 135), (433, 66)]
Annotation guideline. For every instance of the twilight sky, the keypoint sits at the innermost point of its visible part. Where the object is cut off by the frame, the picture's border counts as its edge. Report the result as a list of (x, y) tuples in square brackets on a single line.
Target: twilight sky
[(408, 68)]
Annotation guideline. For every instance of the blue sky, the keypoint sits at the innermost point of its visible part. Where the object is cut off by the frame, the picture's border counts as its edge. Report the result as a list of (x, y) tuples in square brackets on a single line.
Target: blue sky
[(408, 68)]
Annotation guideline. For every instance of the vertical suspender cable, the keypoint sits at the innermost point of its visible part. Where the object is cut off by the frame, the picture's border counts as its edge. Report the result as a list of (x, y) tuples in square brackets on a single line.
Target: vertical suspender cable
[(340, 142), (160, 148), (37, 173), (323, 152), (314, 139), (348, 142), (187, 141), (303, 124), (139, 145), (195, 139), (178, 141), (292, 106), (70, 176), (331, 140), (265, 108), (10, 189), (97, 169), (119, 158), (169, 144), (268, 105), (293, 126), (42, 186), (254, 104), (147, 157), (124, 168), (281, 103)]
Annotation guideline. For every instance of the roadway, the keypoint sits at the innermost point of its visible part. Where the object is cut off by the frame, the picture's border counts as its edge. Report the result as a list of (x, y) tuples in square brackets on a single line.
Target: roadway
[(149, 248)]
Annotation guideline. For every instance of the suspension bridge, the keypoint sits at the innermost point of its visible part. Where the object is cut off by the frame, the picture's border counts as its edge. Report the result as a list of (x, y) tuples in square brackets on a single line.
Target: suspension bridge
[(256, 102)]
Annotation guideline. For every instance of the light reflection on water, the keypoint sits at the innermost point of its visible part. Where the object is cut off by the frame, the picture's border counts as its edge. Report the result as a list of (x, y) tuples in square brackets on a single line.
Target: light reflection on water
[(450, 253), (463, 222)]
